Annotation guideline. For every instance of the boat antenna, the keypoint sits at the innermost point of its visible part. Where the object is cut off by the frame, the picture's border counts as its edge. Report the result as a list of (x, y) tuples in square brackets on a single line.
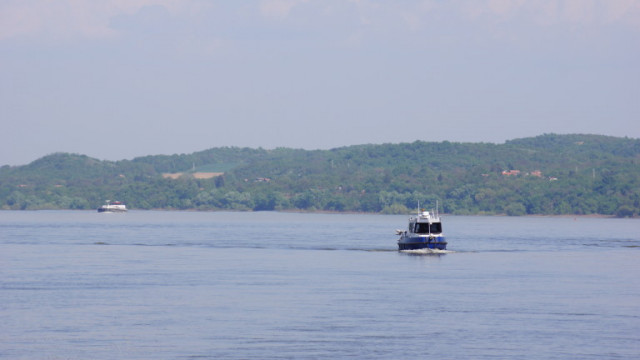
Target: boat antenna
[(437, 210)]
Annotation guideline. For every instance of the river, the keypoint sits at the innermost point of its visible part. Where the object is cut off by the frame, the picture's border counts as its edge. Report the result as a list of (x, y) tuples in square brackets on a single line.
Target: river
[(270, 285)]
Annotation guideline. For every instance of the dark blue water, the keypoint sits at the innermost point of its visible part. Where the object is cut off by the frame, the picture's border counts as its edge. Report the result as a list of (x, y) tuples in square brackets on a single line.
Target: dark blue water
[(187, 285)]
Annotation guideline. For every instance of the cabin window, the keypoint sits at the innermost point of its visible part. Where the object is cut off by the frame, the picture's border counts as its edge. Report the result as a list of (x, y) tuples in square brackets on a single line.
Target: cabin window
[(422, 228), (436, 228)]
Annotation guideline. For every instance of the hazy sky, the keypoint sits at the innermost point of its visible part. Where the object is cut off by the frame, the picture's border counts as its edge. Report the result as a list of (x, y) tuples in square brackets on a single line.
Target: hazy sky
[(116, 79)]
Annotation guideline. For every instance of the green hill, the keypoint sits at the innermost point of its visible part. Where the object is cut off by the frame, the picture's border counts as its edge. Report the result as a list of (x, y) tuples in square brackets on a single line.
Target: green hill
[(547, 174)]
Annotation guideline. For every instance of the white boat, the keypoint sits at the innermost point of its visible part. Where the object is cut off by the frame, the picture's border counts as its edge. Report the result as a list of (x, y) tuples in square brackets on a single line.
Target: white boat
[(115, 207), (424, 232)]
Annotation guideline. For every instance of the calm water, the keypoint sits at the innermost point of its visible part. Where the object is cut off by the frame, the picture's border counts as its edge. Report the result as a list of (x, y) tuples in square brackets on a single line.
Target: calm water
[(187, 285)]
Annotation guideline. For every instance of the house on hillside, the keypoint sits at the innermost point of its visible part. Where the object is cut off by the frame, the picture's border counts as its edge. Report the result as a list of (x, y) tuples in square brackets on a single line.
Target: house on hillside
[(511, 172)]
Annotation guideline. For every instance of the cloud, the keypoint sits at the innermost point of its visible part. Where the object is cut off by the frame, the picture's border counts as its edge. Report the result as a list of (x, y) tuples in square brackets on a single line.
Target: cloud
[(504, 7), (69, 19), (16, 20), (623, 10), (547, 12), (278, 8), (64, 19), (579, 11)]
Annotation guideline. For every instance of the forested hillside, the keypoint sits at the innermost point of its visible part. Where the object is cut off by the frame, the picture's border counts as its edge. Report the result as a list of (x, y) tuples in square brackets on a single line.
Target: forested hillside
[(548, 174)]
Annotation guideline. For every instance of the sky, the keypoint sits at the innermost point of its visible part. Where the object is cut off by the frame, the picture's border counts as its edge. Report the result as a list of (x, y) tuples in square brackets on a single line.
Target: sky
[(118, 79)]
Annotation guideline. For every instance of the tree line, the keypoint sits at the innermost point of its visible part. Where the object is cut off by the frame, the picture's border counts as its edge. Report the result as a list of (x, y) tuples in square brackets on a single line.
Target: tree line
[(544, 175)]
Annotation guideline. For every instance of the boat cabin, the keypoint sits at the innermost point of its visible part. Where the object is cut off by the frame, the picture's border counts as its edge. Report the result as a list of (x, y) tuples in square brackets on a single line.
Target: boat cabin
[(425, 224)]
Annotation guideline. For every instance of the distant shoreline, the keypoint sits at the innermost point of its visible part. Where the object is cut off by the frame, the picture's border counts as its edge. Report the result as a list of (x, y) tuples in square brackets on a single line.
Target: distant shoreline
[(300, 211)]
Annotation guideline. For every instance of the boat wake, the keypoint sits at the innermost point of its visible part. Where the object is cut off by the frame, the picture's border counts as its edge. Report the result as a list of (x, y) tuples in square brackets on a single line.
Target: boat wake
[(427, 251)]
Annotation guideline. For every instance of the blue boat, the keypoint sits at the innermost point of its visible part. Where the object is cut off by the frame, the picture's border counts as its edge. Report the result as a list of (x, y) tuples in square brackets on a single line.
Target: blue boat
[(424, 232)]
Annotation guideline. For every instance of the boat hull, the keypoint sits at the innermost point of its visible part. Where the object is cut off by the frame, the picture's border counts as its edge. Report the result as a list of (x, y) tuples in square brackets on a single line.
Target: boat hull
[(112, 207), (417, 243), (102, 210)]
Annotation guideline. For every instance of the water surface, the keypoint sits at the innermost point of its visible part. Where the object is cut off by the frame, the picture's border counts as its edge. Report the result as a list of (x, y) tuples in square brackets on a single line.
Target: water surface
[(268, 285)]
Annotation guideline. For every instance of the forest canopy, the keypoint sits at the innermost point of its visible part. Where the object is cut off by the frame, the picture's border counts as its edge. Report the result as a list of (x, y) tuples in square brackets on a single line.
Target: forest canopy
[(546, 175)]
